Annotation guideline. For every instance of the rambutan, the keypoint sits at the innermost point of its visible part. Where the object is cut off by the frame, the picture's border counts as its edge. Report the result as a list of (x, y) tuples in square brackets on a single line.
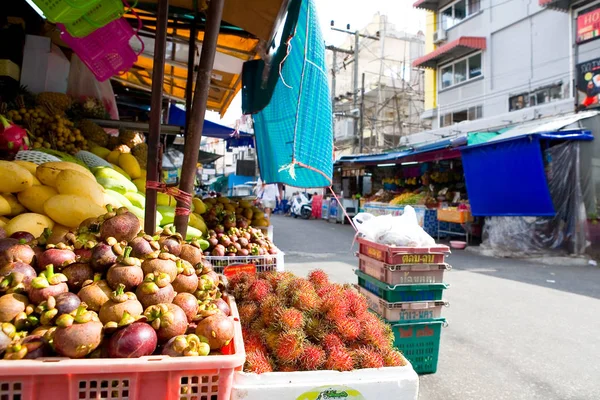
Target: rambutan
[(289, 347), (367, 357), (393, 358), (248, 311), (257, 362), (271, 339), (269, 316), (274, 277), (239, 284), (318, 278), (287, 368), (357, 303), (339, 359), (316, 328), (331, 340), (374, 334), (312, 358), (348, 328), (259, 290), (290, 319), (253, 341), (338, 309), (267, 309)]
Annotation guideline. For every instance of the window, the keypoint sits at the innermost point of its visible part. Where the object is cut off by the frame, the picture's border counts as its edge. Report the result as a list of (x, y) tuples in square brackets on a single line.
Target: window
[(461, 71), (539, 96), (457, 12), (455, 117)]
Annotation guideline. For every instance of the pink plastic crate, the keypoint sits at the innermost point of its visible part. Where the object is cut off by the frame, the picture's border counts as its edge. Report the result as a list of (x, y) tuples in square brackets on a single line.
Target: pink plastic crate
[(152, 377), (106, 51), (402, 274), (395, 255)]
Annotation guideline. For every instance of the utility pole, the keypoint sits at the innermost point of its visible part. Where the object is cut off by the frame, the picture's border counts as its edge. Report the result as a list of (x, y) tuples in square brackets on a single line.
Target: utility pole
[(362, 113)]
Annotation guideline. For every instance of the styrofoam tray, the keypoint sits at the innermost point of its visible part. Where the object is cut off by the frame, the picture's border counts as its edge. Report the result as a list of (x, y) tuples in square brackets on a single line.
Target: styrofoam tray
[(399, 383)]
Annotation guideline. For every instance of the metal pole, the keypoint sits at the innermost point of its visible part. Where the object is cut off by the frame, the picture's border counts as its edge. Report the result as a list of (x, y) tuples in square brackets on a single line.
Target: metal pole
[(190, 77), (333, 82), (158, 75), (192, 141), (355, 80), (362, 112)]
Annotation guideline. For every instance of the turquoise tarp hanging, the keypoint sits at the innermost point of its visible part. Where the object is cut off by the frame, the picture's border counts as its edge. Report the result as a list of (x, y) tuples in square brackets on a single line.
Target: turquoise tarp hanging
[(294, 136)]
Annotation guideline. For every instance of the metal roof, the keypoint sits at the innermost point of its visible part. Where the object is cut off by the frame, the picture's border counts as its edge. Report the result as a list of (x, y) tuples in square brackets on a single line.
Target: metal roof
[(455, 48)]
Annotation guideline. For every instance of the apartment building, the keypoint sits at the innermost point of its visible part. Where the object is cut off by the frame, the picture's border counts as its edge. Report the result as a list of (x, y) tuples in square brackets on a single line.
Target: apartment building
[(492, 63)]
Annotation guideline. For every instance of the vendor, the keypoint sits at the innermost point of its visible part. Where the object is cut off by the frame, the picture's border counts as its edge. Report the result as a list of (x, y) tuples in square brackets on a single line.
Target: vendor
[(269, 196)]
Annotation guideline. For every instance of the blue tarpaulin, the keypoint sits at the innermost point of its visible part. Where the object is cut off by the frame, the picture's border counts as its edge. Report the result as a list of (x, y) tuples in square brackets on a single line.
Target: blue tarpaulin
[(507, 177), (294, 135), (210, 129)]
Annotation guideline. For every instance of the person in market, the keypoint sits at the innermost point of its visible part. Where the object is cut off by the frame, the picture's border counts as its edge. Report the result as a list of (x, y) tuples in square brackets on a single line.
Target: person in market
[(268, 195)]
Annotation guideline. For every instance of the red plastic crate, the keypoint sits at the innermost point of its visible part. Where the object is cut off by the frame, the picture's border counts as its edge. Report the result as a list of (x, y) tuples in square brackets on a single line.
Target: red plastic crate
[(395, 255), (145, 378), (402, 274)]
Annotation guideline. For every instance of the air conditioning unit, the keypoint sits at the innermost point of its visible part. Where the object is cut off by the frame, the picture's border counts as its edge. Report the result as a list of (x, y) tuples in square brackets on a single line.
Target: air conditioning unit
[(439, 36)]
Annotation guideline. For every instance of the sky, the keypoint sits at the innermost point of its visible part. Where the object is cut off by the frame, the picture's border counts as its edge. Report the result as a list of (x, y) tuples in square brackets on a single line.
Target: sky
[(357, 14)]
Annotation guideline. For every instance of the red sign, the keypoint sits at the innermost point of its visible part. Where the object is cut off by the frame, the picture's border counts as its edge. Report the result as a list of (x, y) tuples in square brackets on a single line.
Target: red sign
[(234, 269), (588, 26)]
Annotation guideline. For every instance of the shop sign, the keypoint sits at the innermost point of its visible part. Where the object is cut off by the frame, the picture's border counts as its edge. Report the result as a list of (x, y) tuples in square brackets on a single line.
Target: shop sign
[(588, 26), (588, 83)]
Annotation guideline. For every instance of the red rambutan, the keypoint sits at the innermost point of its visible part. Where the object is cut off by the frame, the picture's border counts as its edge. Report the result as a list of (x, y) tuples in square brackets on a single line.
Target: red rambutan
[(318, 278), (339, 359), (287, 368), (348, 328), (267, 309), (331, 341), (239, 283), (289, 347), (312, 358), (259, 290), (290, 319), (271, 339), (357, 303), (316, 328), (252, 341), (257, 362), (367, 357), (248, 311), (393, 358), (374, 334)]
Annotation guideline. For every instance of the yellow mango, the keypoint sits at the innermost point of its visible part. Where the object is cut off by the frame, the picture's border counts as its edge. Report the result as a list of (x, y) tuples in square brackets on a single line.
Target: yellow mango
[(16, 208), (197, 222), (28, 165), (15, 178), (29, 222), (48, 172), (71, 210), (113, 157), (34, 198), (4, 206), (2, 224), (101, 152), (131, 165), (143, 174), (74, 182), (163, 199), (245, 204), (140, 183), (199, 206), (121, 171), (4, 220)]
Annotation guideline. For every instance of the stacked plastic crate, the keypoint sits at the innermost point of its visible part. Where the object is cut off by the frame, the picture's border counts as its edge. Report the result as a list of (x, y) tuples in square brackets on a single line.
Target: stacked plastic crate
[(405, 286)]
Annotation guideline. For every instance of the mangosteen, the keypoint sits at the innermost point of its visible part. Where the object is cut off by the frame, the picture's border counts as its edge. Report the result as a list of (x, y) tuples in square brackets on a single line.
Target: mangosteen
[(26, 320), (188, 303), (206, 308), (155, 289), (21, 235), (78, 273), (225, 241), (163, 262), (66, 303), (135, 340), (7, 334), (123, 225), (191, 252), (28, 348), (119, 303), (143, 246), (2, 233), (47, 284), (103, 255), (223, 306), (213, 241), (186, 280), (186, 346), (217, 330), (95, 293), (77, 334), (16, 277), (12, 250), (58, 234), (168, 320), (170, 241), (127, 272), (59, 255), (218, 251)]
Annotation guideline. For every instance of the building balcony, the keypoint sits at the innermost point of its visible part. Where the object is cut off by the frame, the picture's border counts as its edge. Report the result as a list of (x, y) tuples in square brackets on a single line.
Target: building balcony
[(431, 5), (561, 5), (454, 49)]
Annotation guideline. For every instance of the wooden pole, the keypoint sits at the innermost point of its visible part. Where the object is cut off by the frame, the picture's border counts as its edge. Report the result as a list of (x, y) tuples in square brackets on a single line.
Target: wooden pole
[(196, 122), (158, 74), (190, 77)]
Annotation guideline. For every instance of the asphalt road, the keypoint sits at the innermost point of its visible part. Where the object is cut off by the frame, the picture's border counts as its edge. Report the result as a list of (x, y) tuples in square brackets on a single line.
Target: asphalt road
[(517, 330)]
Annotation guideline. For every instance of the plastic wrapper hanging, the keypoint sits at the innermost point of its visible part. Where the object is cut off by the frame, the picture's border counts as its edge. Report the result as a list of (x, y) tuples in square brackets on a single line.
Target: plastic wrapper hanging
[(403, 230), (565, 233)]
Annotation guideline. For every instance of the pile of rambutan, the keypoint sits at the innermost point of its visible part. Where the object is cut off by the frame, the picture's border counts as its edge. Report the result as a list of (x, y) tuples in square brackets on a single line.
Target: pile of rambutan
[(296, 324)]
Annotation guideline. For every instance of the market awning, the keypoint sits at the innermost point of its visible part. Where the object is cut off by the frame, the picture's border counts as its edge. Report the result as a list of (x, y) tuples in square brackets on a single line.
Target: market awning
[(453, 49), (506, 176), (562, 5), (431, 5), (211, 129)]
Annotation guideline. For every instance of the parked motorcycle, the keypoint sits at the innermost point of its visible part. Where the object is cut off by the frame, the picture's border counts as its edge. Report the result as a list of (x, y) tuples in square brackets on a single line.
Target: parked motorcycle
[(301, 206)]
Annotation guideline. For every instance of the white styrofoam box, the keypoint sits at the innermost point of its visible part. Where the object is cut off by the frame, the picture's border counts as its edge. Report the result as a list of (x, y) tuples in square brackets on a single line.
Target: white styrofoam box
[(45, 67), (399, 383)]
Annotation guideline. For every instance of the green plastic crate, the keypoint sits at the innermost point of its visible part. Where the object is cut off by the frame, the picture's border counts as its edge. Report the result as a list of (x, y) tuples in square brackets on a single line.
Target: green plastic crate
[(420, 343), (64, 10), (401, 293), (96, 17)]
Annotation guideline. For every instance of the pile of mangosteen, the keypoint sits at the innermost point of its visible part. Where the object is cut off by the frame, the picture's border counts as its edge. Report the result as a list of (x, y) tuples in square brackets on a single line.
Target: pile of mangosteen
[(109, 290)]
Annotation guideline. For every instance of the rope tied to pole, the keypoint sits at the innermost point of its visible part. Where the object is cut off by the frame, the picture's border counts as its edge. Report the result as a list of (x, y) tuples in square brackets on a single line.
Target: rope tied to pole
[(179, 195)]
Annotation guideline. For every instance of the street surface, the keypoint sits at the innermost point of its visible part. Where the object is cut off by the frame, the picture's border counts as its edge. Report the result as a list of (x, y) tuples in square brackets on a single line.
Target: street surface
[(517, 330)]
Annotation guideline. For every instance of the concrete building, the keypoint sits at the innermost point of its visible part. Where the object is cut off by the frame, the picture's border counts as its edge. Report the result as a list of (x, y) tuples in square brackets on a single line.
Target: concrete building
[(394, 90)]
